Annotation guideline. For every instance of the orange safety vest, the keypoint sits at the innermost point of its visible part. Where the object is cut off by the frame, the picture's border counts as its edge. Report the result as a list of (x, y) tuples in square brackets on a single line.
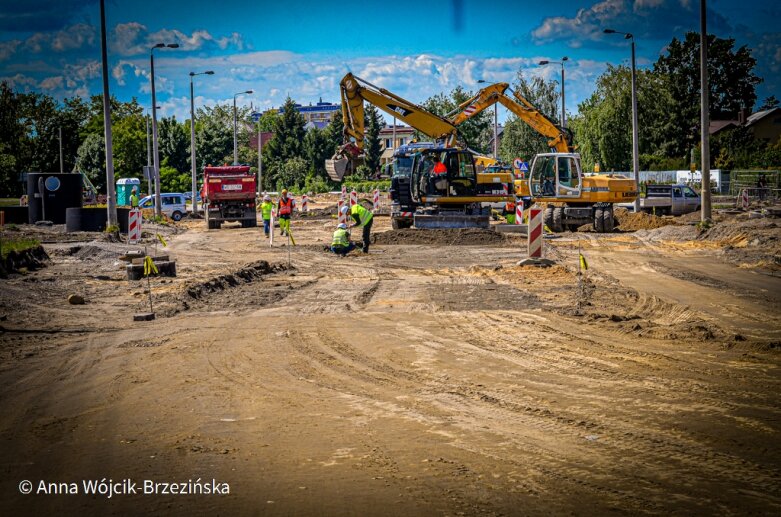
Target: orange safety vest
[(440, 168), (285, 207), (510, 207)]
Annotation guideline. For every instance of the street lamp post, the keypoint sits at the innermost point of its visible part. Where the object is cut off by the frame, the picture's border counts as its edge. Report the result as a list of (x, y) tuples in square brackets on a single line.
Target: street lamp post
[(235, 127), (635, 139), (563, 111), (155, 153), (192, 140)]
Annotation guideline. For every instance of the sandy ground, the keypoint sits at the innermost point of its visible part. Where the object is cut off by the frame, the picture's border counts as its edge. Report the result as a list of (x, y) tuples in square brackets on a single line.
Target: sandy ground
[(421, 379)]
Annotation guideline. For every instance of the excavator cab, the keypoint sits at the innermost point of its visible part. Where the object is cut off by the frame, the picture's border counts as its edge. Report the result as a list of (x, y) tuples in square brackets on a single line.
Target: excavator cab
[(443, 173), (556, 175)]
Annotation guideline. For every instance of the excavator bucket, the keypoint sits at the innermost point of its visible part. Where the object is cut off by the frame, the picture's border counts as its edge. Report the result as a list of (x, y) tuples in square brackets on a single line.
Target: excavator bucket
[(337, 168)]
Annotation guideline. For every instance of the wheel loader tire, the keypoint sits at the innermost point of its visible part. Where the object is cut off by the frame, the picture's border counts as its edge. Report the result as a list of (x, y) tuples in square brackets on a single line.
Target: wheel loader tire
[(558, 218), (599, 220), (547, 218), (608, 222)]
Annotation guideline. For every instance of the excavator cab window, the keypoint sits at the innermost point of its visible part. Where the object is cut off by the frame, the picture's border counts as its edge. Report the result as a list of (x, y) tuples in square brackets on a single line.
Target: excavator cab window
[(568, 177), (461, 173), (543, 176)]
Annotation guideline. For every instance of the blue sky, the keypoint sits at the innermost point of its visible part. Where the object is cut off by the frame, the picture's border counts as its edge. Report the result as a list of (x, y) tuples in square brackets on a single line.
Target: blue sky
[(302, 48)]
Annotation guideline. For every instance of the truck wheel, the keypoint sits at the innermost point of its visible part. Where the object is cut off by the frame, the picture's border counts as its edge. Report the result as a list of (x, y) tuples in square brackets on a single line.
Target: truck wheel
[(599, 220), (547, 217), (558, 216), (395, 223), (176, 216), (607, 220)]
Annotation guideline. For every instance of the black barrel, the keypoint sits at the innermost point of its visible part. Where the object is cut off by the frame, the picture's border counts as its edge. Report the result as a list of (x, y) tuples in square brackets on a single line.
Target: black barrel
[(51, 194), (93, 219)]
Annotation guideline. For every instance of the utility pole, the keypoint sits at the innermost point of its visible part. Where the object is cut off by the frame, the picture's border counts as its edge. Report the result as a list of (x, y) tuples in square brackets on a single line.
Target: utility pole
[(156, 152), (60, 138), (148, 156), (236, 127), (496, 131), (193, 164), (635, 137), (111, 202), (260, 159), (563, 111), (704, 117)]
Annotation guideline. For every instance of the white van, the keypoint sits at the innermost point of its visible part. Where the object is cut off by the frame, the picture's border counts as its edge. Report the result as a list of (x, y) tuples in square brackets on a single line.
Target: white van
[(172, 205)]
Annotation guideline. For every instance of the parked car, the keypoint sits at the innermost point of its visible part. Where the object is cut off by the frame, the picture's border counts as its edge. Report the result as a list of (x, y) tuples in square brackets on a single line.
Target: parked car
[(189, 195), (172, 205), (668, 200)]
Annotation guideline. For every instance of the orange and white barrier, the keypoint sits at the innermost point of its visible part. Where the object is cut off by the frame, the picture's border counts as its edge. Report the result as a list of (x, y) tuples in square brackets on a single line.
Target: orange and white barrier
[(353, 198), (744, 200), (519, 213), (271, 224), (304, 203), (535, 232), (341, 218), (376, 199), (344, 191), (134, 226)]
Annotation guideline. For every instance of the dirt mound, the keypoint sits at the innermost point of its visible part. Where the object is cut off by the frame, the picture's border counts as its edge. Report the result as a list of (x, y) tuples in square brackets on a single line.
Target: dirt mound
[(29, 259), (631, 221), (441, 237)]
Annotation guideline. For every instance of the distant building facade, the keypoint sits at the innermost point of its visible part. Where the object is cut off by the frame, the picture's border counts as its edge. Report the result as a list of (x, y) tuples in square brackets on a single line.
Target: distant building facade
[(404, 135), (765, 125), (318, 115)]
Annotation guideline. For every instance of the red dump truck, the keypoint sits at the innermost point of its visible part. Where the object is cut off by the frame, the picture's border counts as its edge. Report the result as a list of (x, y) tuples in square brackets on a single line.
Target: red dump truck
[(228, 195)]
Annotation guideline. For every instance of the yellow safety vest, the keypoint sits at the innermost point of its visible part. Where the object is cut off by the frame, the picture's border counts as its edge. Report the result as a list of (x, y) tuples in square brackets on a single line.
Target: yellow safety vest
[(363, 215), (341, 238), (134, 201)]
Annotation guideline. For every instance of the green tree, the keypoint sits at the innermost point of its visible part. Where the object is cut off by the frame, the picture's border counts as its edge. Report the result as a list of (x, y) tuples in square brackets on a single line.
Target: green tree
[(91, 160), (373, 122), (214, 135), (129, 144), (172, 180), (769, 103), (289, 174), (288, 139), (317, 149), (732, 83), (603, 129), (477, 132), (173, 144), (519, 140), (335, 132)]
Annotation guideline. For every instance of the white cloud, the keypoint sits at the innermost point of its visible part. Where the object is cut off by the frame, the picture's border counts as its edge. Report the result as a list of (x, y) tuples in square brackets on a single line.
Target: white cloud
[(133, 38), (74, 37), (52, 83), (647, 19), (8, 48)]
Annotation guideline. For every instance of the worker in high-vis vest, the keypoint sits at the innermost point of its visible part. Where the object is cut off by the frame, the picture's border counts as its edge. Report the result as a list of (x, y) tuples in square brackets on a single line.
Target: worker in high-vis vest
[(133, 198), (509, 213), (363, 219), (285, 207), (341, 243), (265, 213)]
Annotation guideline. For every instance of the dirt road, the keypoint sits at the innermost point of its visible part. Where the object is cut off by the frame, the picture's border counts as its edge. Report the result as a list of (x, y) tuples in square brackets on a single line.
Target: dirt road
[(423, 379)]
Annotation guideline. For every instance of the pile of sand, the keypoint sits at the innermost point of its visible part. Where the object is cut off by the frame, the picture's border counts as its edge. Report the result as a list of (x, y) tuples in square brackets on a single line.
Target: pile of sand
[(441, 237), (630, 221)]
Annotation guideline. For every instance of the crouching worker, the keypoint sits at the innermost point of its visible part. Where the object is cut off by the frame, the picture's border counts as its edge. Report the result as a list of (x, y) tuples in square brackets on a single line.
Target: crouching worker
[(265, 212), (363, 219), (341, 243)]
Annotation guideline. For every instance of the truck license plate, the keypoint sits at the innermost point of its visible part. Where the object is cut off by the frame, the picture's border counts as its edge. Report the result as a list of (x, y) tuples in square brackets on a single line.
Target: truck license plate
[(232, 187)]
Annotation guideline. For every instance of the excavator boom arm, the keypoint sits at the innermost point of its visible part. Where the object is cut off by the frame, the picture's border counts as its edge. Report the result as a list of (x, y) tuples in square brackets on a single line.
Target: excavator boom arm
[(522, 108), (355, 91)]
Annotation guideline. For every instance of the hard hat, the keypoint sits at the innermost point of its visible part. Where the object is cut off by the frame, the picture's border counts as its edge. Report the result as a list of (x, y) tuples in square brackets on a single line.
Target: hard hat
[(345, 209), (284, 191), (342, 226), (266, 198)]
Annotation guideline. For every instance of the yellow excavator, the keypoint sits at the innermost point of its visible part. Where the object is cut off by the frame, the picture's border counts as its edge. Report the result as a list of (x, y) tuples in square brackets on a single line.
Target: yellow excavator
[(442, 185), (556, 181)]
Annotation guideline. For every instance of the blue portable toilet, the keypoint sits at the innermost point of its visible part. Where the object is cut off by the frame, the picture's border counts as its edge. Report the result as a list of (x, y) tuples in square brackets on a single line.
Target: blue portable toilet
[(125, 188)]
